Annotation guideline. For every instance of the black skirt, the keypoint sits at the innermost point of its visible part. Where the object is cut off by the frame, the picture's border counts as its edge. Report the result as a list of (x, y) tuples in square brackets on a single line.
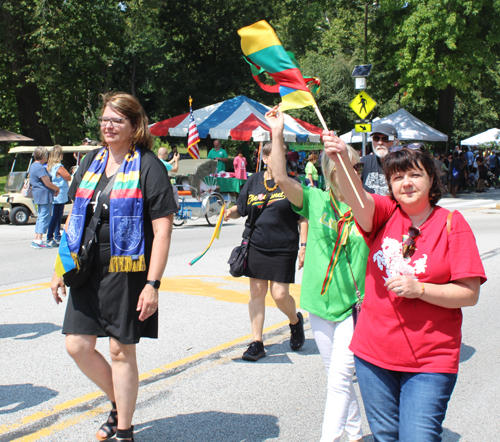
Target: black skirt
[(271, 266)]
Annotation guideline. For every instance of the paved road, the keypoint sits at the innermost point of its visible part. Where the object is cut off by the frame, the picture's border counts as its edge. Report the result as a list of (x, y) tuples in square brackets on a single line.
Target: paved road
[(194, 386)]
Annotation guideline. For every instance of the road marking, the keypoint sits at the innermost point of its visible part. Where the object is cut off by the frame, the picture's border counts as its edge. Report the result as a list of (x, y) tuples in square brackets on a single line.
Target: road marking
[(220, 288), (19, 290), (61, 425)]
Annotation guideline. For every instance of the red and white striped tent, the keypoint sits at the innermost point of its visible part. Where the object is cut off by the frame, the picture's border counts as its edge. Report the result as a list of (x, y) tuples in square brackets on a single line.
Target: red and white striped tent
[(239, 118)]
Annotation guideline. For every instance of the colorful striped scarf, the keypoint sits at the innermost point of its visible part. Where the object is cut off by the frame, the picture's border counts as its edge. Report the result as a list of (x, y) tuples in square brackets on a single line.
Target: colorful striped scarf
[(126, 212), (343, 223)]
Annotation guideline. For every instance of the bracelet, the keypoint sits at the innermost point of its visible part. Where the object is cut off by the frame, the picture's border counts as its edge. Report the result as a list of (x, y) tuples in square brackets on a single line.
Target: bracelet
[(423, 291), (303, 244)]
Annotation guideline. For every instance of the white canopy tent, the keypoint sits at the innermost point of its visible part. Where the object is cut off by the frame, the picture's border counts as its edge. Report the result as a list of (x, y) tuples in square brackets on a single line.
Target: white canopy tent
[(408, 126), (489, 136)]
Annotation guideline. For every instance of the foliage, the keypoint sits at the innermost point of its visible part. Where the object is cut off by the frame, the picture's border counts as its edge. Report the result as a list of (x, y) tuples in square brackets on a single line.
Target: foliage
[(437, 58)]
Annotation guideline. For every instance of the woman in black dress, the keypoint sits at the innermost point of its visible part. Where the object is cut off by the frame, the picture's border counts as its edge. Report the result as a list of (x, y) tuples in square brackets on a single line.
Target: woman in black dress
[(120, 299), (272, 254)]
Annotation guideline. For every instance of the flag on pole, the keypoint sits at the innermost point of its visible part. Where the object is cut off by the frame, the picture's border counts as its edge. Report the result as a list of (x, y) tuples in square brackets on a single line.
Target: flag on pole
[(193, 137), (261, 46)]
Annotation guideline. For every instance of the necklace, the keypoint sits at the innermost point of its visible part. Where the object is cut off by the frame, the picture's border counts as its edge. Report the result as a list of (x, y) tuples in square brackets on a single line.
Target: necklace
[(269, 189), (425, 219)]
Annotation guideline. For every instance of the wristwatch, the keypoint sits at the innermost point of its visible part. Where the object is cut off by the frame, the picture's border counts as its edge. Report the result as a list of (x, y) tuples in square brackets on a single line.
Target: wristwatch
[(156, 283), (303, 244)]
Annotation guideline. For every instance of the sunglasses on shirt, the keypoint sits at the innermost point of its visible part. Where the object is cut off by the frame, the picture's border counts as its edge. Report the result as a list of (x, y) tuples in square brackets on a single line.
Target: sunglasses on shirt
[(409, 246)]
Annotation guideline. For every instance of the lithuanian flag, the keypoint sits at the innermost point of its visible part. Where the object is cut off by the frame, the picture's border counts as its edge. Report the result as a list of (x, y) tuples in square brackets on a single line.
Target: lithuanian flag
[(261, 46)]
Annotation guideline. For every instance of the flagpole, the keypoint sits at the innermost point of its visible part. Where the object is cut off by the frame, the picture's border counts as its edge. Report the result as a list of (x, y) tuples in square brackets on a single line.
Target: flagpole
[(323, 123)]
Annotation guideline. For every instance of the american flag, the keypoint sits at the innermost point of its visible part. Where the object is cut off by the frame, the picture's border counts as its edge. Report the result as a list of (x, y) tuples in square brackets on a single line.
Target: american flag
[(193, 137)]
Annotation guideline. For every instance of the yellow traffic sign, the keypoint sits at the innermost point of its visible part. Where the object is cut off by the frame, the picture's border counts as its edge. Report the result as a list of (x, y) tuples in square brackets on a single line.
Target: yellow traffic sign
[(363, 127), (363, 104)]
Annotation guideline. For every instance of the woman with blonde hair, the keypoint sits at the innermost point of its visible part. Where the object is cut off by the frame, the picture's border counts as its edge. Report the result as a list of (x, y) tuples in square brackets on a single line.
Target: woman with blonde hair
[(333, 281), (129, 189), (61, 178)]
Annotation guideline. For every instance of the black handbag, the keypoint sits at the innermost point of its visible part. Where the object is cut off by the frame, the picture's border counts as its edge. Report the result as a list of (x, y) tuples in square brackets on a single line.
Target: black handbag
[(239, 255), (78, 276)]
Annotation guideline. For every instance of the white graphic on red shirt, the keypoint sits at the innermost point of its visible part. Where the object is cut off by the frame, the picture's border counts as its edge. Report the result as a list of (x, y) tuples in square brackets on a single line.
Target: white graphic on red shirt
[(391, 258)]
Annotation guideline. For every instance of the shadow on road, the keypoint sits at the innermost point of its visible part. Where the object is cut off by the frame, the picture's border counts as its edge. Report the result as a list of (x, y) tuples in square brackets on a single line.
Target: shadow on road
[(27, 331), (466, 352), (18, 397), (450, 436), (210, 426)]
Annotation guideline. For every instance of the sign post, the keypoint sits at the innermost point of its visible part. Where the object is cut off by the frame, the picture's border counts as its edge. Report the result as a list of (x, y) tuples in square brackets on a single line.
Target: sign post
[(363, 104)]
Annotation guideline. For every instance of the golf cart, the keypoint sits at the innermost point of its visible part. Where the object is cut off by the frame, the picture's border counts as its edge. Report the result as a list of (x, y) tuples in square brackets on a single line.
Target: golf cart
[(17, 209)]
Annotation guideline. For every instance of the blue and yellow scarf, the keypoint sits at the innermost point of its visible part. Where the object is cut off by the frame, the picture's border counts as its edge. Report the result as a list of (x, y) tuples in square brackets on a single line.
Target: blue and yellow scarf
[(126, 212)]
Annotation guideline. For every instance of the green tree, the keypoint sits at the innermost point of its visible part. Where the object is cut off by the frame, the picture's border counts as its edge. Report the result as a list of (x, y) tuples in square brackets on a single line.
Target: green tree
[(438, 47)]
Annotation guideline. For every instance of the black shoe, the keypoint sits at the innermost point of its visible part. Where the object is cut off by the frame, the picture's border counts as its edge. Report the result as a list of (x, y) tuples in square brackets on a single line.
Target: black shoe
[(298, 337), (254, 352)]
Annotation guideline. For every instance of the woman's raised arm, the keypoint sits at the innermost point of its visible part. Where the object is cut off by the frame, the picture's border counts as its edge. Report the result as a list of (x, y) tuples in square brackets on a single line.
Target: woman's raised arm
[(292, 189), (334, 147)]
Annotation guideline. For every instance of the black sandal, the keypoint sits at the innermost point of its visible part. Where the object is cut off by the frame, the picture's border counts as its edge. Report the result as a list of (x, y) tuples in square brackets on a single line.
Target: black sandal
[(110, 427), (127, 435)]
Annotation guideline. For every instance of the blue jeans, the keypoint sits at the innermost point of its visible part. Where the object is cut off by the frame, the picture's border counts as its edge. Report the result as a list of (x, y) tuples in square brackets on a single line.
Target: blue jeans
[(42, 222), (308, 182), (55, 223), (402, 406)]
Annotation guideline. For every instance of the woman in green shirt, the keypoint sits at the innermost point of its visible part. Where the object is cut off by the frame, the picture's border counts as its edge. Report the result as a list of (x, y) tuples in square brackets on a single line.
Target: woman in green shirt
[(334, 276), (311, 171)]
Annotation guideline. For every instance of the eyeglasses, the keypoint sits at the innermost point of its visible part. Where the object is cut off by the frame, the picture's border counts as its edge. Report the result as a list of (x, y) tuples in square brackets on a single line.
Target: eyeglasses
[(411, 146), (384, 139), (409, 243), (358, 167), (114, 121)]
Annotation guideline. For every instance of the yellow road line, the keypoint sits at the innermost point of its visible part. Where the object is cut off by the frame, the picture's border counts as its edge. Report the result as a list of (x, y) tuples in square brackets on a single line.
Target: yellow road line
[(102, 409), (19, 290)]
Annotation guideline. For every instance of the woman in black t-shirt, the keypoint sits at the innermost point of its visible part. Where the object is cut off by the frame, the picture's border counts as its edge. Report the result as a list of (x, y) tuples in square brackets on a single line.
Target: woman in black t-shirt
[(120, 298), (272, 254)]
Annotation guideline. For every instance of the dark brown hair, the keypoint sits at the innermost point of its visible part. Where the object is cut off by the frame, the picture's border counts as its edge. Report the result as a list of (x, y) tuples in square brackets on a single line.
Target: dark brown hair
[(129, 106), (406, 159)]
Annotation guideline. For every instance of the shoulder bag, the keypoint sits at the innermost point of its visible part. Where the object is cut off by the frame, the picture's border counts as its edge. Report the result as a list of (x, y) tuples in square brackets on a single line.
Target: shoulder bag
[(239, 256), (27, 190), (78, 276)]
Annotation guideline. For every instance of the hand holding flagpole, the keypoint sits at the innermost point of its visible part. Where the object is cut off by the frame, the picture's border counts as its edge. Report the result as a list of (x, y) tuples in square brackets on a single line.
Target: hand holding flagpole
[(323, 123), (264, 51)]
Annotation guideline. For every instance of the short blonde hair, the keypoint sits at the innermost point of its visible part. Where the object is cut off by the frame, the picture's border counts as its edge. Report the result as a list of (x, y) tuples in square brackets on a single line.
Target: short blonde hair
[(40, 153), (129, 106), (330, 173)]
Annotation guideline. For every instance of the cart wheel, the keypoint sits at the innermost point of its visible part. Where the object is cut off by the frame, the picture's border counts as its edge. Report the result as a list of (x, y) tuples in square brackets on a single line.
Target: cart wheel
[(214, 204), (19, 215)]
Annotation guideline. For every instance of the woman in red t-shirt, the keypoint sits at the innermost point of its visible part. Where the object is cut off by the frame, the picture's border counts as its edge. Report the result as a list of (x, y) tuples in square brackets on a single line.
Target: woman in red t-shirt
[(423, 267)]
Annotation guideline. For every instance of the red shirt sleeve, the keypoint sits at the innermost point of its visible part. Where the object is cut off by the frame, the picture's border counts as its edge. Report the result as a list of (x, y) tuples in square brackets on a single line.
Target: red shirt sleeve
[(384, 208), (462, 244)]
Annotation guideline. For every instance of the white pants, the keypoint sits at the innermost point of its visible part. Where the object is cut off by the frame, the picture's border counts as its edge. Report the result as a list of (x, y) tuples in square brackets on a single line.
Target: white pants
[(341, 409)]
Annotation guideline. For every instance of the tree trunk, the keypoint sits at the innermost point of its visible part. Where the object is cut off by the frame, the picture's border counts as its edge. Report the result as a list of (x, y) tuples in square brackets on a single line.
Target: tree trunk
[(29, 105), (132, 80), (446, 108)]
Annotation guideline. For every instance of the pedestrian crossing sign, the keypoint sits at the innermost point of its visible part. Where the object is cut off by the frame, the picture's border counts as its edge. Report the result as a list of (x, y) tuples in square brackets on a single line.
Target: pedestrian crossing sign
[(363, 104)]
